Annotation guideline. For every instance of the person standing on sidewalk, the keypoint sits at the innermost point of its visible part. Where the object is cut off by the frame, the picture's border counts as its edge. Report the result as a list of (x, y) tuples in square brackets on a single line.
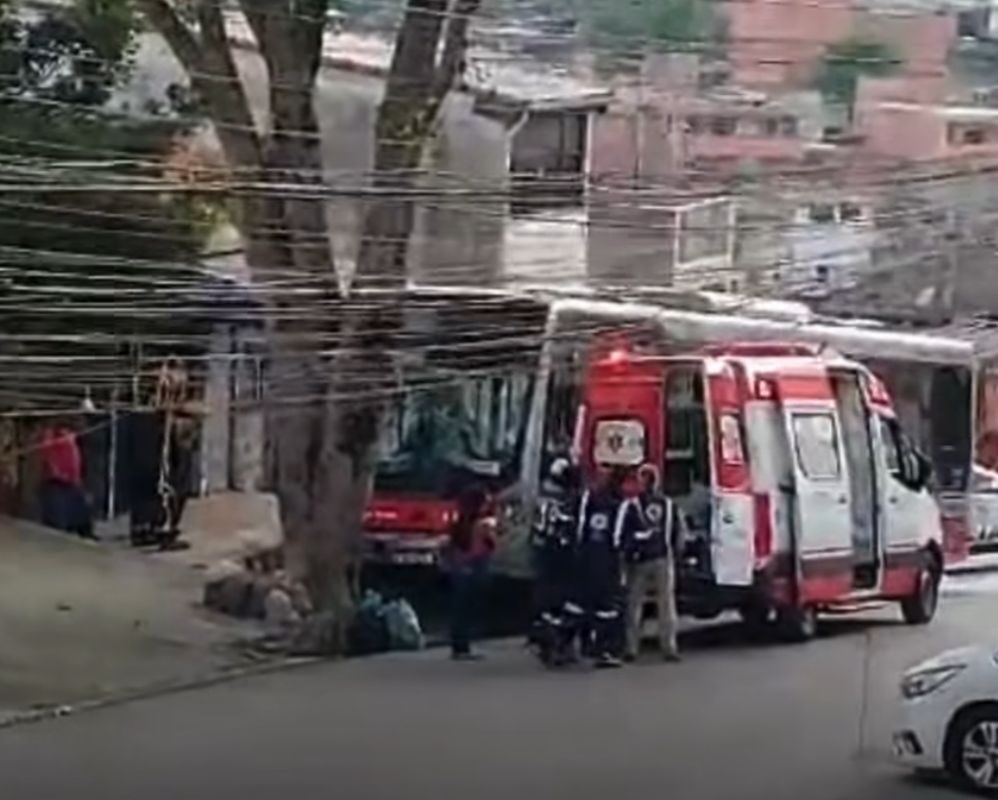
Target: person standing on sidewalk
[(63, 499), (651, 564), (472, 542)]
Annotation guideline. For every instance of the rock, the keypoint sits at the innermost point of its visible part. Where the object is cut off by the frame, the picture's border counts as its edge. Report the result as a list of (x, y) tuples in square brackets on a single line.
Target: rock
[(256, 604), (230, 595), (279, 611), (222, 569), (300, 598)]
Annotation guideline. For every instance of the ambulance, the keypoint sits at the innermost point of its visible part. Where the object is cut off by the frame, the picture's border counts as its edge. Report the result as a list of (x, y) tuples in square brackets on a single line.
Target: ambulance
[(802, 493)]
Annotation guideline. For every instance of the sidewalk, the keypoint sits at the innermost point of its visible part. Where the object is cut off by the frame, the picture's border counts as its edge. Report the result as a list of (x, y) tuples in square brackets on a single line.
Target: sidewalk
[(81, 621)]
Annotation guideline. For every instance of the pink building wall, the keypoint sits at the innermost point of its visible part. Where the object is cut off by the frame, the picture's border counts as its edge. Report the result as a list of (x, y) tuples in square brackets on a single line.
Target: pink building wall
[(908, 132), (779, 43)]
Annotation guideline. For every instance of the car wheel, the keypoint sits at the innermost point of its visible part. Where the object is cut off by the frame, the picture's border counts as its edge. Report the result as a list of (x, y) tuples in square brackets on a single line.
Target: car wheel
[(920, 607), (972, 749), (798, 624)]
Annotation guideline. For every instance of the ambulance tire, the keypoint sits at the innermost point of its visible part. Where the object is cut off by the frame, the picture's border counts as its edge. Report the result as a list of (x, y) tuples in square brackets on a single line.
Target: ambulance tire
[(798, 624), (757, 619), (920, 607)]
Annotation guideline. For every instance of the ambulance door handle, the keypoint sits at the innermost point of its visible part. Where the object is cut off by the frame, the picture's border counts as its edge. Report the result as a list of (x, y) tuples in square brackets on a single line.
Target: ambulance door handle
[(843, 500), (892, 500)]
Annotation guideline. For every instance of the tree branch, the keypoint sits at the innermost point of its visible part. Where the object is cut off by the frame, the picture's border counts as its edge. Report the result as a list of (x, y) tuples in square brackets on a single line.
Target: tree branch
[(223, 88), (181, 39), (452, 62), (310, 31)]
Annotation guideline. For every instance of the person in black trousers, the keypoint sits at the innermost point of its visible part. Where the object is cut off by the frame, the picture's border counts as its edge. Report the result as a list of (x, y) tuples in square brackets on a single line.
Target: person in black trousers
[(607, 519), (472, 541)]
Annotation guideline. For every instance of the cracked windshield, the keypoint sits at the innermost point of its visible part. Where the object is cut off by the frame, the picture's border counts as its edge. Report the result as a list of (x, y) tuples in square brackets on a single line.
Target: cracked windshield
[(498, 398)]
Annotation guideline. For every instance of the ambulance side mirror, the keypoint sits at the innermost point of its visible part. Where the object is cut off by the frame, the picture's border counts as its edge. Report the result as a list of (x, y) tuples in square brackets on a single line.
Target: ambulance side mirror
[(923, 471), (917, 470)]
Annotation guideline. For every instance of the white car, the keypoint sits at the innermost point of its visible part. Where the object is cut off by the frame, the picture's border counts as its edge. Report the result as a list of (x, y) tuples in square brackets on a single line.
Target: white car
[(984, 508), (949, 717)]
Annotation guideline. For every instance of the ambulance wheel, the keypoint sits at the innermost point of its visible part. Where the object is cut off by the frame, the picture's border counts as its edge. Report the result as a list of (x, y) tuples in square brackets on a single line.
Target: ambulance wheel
[(756, 618), (798, 624), (920, 607)]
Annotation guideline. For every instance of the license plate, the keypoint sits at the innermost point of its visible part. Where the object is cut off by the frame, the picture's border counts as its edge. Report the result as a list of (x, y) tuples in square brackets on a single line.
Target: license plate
[(412, 558)]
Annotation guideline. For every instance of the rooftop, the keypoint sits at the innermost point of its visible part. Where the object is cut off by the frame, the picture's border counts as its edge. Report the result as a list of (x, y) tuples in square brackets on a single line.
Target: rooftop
[(948, 112), (491, 73)]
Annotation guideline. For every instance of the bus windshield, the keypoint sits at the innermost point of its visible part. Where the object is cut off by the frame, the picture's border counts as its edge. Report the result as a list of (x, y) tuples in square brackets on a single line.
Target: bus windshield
[(441, 436)]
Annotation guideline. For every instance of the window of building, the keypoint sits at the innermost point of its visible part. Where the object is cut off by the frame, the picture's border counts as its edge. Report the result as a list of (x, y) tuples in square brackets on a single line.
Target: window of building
[(850, 212), (770, 126), (696, 124), (974, 136), (822, 212), (723, 125), (704, 231), (548, 161), (959, 133), (788, 126)]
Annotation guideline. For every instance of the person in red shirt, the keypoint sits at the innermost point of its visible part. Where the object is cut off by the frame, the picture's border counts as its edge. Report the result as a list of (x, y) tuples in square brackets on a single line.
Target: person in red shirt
[(472, 542), (63, 501)]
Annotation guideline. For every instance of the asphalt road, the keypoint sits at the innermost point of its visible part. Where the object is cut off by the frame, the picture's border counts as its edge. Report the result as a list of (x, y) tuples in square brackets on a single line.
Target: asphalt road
[(734, 720)]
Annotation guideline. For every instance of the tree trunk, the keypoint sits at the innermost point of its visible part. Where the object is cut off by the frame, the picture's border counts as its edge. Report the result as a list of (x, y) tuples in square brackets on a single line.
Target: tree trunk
[(324, 410), (416, 87)]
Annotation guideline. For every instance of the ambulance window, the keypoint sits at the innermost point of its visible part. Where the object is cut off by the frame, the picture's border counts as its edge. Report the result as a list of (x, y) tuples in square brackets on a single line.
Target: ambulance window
[(731, 439), (816, 443), (888, 433)]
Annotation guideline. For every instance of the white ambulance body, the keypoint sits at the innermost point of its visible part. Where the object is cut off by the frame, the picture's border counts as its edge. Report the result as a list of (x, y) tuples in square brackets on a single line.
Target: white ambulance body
[(802, 492)]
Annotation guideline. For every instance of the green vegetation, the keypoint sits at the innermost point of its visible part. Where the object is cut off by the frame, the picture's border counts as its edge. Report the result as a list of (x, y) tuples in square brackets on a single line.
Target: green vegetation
[(58, 70), (847, 61)]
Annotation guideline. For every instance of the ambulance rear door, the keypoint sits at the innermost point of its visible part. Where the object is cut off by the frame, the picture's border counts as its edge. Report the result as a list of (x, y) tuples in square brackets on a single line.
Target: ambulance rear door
[(818, 486), (733, 519)]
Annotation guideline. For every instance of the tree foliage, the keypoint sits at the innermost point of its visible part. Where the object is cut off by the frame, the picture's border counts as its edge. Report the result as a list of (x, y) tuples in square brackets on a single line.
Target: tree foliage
[(58, 70), (845, 62), (662, 25)]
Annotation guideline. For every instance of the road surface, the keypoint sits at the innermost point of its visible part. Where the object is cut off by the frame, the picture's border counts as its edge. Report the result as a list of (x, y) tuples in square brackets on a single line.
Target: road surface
[(734, 720)]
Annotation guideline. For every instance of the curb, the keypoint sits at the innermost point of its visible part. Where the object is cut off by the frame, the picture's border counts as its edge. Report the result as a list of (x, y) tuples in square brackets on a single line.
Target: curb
[(165, 688), (225, 675)]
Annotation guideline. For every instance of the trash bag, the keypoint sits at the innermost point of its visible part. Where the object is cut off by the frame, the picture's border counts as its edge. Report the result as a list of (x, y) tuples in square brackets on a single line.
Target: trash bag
[(369, 632), (404, 631)]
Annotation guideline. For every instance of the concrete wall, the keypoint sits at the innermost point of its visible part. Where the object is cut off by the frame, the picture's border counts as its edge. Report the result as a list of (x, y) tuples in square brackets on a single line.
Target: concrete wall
[(908, 131), (550, 247), (215, 449), (632, 238), (232, 432)]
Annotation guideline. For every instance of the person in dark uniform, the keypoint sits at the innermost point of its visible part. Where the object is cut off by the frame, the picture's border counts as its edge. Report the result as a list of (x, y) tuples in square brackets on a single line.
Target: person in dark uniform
[(161, 459), (553, 540), (650, 565), (607, 518)]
